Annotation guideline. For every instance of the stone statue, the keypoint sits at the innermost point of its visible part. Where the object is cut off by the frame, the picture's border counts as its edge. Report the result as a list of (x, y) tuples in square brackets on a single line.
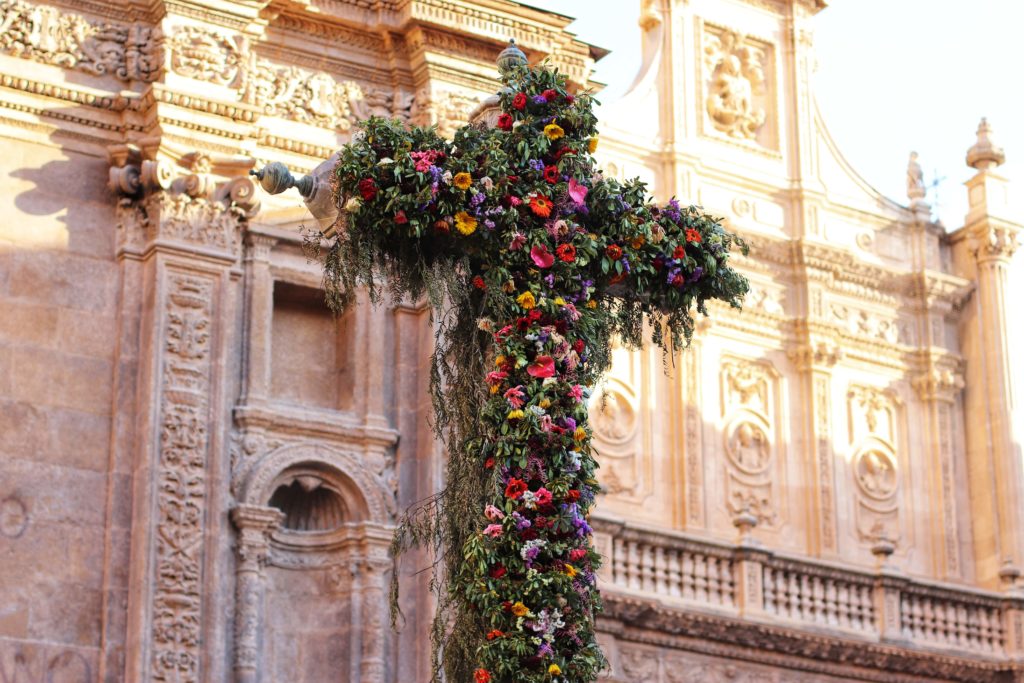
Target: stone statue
[(915, 179)]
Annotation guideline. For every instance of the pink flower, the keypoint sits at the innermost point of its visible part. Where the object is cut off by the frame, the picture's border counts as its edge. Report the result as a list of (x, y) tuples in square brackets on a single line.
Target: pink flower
[(493, 530), (577, 554), (514, 201), (571, 312), (494, 514), (541, 256), (496, 377), (546, 425), (518, 241), (577, 192), (576, 393), (515, 397), (542, 366), (542, 496)]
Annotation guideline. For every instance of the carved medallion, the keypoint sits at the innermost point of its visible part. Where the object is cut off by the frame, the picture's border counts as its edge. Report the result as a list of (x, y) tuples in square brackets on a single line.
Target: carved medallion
[(206, 55), (876, 473), (748, 448)]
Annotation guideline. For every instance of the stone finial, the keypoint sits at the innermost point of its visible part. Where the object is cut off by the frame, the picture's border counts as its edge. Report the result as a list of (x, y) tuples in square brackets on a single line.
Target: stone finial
[(915, 179), (275, 178), (985, 153), (511, 57)]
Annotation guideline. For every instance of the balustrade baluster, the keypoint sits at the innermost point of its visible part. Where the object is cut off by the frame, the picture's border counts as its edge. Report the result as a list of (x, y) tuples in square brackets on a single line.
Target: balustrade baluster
[(674, 577)]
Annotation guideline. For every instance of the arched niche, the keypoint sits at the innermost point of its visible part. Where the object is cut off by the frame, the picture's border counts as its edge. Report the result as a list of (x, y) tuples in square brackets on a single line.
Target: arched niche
[(319, 611)]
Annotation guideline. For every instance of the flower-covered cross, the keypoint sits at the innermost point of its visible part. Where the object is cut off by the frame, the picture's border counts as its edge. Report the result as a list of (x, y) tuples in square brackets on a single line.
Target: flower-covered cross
[(532, 260)]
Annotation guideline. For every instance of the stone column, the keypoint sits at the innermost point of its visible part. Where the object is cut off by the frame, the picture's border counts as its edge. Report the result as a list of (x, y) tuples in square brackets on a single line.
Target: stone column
[(179, 241), (374, 574), (260, 293), (255, 524), (992, 240)]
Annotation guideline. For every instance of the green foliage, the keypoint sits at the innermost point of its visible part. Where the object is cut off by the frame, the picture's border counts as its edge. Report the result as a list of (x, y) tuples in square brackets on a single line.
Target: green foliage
[(531, 261)]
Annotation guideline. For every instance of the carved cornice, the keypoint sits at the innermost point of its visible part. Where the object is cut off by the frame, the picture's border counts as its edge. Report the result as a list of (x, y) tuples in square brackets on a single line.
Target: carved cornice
[(648, 621)]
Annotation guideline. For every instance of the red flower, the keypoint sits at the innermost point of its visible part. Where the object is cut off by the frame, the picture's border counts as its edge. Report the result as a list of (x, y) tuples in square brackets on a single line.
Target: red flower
[(400, 218), (617, 278), (515, 488), (572, 495), (577, 554), (549, 95), (534, 315), (499, 572), (566, 252), (679, 252), (491, 635), (678, 281), (578, 346), (519, 101), (563, 151), (542, 366), (489, 462), (481, 676), (368, 189), (551, 174), (540, 205), (479, 283), (505, 121), (692, 235), (441, 227), (614, 252), (569, 99)]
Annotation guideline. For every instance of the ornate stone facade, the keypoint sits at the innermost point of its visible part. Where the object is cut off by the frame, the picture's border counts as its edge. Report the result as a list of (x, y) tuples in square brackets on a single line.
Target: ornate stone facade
[(200, 467)]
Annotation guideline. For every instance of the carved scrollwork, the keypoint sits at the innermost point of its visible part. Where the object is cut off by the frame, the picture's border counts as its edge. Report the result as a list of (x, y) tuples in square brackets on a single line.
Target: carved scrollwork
[(49, 35)]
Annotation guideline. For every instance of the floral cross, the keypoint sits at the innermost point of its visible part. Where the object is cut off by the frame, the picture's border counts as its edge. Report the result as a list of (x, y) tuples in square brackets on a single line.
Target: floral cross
[(531, 260)]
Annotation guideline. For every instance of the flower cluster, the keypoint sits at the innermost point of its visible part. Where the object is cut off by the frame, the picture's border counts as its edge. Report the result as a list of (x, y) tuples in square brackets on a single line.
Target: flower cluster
[(557, 258)]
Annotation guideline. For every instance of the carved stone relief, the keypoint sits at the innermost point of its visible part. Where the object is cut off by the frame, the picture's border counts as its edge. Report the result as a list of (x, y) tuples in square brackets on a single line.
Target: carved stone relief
[(866, 324), (13, 517), (316, 97), (207, 55), (751, 467), (872, 418), (737, 93), (615, 420), (449, 110), (52, 36)]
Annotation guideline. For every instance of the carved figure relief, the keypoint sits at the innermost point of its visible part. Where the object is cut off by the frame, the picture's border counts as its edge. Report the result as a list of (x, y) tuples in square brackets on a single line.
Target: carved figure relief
[(873, 417), (615, 421), (206, 55), (52, 36), (866, 324), (736, 92), (748, 407)]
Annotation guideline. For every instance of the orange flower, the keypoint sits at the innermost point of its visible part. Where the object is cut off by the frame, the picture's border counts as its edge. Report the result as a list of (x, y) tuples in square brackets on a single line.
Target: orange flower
[(462, 180), (482, 676), (692, 235), (540, 205), (494, 634), (520, 610), (553, 131)]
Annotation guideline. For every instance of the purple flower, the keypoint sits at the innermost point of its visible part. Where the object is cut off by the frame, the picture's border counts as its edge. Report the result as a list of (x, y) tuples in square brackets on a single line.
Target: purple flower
[(489, 224), (697, 274), (672, 210), (549, 280), (539, 99), (477, 199), (536, 164), (544, 650), (672, 273)]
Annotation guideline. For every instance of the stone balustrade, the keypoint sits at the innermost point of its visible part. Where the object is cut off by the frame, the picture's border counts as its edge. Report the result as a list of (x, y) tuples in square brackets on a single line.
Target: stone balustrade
[(749, 582)]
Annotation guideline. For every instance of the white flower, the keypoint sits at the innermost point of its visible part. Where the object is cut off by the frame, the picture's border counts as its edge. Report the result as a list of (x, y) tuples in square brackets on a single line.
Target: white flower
[(353, 204), (385, 161)]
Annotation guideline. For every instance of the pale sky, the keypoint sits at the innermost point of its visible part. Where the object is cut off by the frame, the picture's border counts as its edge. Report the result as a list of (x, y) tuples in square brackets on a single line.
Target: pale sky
[(894, 76)]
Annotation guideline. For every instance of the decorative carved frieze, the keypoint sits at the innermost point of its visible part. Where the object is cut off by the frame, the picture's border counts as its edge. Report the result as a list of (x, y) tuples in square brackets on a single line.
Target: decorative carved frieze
[(738, 96), (52, 36), (207, 55), (316, 97)]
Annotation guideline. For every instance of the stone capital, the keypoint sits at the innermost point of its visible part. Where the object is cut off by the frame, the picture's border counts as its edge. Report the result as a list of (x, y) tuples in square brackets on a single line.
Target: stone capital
[(821, 354), (938, 384), (994, 242)]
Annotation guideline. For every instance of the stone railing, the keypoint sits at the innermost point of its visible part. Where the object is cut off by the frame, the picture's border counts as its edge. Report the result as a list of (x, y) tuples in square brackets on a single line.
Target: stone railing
[(751, 583)]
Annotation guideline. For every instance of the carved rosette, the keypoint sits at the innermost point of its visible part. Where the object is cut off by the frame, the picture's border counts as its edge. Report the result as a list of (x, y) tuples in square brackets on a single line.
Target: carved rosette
[(737, 91), (207, 55), (752, 470), (52, 36)]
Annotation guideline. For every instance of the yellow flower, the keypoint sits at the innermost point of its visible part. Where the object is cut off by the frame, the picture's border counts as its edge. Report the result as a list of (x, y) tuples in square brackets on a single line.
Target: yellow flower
[(592, 303), (520, 610), (526, 300), (462, 180), (554, 670), (545, 403), (516, 415), (494, 388), (499, 360), (465, 223), (559, 301), (580, 434), (570, 571), (592, 145), (553, 131), (509, 287)]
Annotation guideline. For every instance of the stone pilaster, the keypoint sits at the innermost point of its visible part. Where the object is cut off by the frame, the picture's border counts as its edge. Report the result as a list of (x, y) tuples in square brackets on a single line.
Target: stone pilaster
[(179, 244), (814, 359), (374, 580), (254, 524), (259, 318)]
